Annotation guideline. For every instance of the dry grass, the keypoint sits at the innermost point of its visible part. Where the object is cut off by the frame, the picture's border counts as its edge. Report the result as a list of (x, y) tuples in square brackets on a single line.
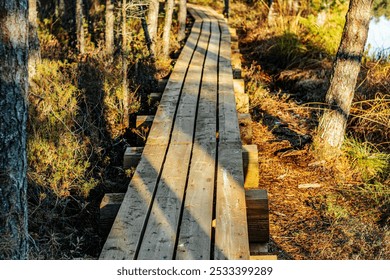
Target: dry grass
[(343, 219)]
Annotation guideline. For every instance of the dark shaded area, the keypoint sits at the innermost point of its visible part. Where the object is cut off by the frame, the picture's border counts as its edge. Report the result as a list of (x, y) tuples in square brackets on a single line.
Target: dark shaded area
[(293, 66)]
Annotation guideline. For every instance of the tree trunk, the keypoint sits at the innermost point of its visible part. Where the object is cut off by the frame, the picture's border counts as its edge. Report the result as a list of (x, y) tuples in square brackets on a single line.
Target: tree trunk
[(80, 27), (110, 19), (167, 27), (125, 85), (13, 107), (226, 8), (34, 47), (154, 6), (146, 30), (345, 72), (181, 35)]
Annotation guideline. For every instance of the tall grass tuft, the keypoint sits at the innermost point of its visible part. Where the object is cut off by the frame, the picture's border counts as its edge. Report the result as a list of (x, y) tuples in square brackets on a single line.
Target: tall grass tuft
[(366, 159)]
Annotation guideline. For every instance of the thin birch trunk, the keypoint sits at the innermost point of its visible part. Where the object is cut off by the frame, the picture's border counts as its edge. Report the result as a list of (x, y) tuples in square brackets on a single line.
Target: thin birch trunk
[(182, 17), (109, 31), (167, 27), (79, 27)]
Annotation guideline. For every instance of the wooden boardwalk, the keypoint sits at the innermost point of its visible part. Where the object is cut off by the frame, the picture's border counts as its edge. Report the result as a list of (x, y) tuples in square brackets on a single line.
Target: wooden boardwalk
[(186, 199)]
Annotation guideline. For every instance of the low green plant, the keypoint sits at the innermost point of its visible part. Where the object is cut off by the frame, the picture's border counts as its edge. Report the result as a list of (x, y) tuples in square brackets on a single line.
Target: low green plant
[(366, 159), (377, 192)]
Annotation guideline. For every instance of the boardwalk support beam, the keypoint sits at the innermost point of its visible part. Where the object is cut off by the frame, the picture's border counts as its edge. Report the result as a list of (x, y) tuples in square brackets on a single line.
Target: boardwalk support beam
[(109, 208), (257, 215), (132, 157)]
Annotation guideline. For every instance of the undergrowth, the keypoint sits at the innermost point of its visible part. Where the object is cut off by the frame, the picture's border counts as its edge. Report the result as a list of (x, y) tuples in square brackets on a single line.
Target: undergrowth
[(57, 152), (76, 136)]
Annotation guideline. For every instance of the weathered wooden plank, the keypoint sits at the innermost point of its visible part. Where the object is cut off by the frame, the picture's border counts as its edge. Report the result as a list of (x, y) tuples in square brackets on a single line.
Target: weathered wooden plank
[(264, 257), (160, 233), (195, 231), (206, 122), (184, 126), (250, 157), (212, 13), (162, 126), (231, 233), (228, 121), (231, 236), (194, 13), (195, 235), (126, 233)]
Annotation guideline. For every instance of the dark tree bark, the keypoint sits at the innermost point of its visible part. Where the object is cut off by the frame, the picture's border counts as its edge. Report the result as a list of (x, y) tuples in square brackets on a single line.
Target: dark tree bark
[(34, 47), (110, 20), (345, 72), (79, 27), (167, 26), (182, 17), (226, 8), (146, 30), (13, 107), (154, 6)]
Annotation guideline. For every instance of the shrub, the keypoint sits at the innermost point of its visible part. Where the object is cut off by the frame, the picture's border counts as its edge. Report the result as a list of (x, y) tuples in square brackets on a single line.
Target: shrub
[(58, 156)]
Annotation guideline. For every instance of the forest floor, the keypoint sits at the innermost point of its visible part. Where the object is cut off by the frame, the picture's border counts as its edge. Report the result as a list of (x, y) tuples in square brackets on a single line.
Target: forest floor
[(319, 208)]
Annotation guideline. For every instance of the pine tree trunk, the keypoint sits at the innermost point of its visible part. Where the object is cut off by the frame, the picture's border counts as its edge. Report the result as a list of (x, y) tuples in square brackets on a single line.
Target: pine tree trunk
[(345, 72), (110, 19), (34, 47), (145, 28), (167, 27), (13, 107), (182, 20), (125, 85), (226, 8), (154, 6), (80, 27)]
